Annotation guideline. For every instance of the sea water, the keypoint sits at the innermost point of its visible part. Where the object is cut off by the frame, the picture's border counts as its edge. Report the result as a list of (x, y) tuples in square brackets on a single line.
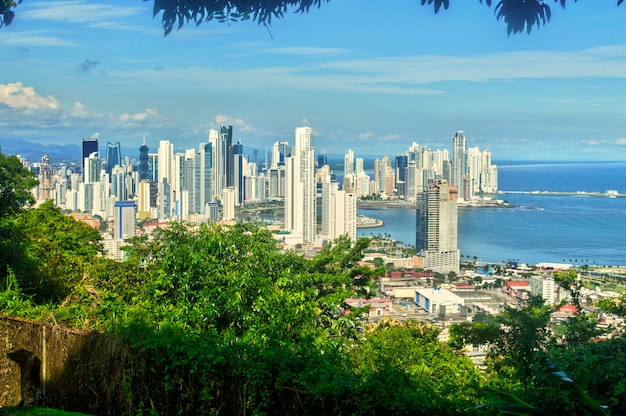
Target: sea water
[(536, 228)]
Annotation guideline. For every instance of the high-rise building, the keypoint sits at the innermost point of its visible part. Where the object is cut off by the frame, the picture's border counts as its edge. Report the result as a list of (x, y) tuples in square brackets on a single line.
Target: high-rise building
[(544, 287), (228, 204), (437, 225), (89, 146), (459, 161), (125, 219), (226, 136), (301, 186), (91, 168), (46, 186), (144, 164), (338, 211), (348, 163), (113, 156)]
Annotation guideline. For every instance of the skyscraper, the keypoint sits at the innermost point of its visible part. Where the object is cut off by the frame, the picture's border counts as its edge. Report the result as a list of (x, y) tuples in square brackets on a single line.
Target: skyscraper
[(113, 156), (301, 186), (90, 146), (144, 166), (437, 224), (459, 161)]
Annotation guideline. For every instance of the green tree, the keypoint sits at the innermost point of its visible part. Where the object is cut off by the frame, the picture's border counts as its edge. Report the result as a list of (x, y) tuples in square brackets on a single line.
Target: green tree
[(516, 341), (60, 248), (16, 184)]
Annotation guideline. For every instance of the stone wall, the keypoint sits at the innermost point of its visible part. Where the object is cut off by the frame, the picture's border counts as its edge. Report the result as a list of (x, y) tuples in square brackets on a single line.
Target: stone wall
[(80, 371)]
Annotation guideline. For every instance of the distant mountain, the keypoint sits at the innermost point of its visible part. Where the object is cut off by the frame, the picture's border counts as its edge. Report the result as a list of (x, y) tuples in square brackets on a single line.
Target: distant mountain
[(35, 151)]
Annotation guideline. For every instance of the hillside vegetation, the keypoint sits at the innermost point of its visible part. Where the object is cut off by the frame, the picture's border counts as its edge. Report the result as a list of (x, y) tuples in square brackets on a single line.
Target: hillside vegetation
[(219, 320)]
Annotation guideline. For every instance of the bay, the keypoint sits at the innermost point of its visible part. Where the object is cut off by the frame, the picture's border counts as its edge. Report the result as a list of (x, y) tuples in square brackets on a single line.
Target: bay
[(537, 228)]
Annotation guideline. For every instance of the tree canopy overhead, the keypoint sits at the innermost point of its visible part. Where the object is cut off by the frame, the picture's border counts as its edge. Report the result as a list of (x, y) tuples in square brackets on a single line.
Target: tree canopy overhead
[(518, 15)]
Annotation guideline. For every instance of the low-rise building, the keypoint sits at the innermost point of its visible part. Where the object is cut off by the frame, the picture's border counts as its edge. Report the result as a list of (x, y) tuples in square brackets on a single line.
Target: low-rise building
[(437, 300)]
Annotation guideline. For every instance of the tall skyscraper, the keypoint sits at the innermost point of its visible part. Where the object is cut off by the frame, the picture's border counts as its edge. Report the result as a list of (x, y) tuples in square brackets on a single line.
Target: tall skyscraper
[(437, 224), (459, 161), (226, 135), (338, 211), (301, 186), (90, 146), (113, 156), (46, 186), (144, 165), (348, 163)]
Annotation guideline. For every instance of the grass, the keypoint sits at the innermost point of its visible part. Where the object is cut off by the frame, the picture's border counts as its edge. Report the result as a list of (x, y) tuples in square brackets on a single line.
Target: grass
[(35, 411)]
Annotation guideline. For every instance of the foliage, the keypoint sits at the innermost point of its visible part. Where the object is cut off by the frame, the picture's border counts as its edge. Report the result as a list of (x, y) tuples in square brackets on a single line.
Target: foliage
[(582, 327), (16, 182), (516, 341), (58, 248), (403, 367), (518, 15)]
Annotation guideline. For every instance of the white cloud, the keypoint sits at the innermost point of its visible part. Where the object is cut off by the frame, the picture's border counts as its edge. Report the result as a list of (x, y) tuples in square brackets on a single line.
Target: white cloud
[(78, 11), (34, 38), (16, 95), (621, 142), (148, 116), (224, 120), (305, 51)]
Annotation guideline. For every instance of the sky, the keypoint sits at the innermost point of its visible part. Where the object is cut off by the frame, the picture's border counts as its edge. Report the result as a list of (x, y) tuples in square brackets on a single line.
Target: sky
[(369, 75)]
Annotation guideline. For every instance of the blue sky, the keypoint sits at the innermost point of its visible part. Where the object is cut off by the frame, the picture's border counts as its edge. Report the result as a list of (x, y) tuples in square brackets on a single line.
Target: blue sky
[(368, 75)]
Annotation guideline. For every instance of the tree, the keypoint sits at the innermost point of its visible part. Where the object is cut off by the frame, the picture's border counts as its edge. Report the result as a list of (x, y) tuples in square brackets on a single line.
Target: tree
[(16, 184), (60, 248), (518, 15)]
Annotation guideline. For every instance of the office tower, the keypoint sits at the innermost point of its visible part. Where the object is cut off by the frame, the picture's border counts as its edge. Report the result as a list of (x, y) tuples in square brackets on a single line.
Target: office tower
[(118, 184), (301, 186), (280, 151), (113, 156), (240, 170), (348, 163), (124, 219), (226, 136), (459, 161), (90, 146), (144, 164), (219, 160), (45, 179), (205, 163), (92, 166), (228, 205), (436, 223), (401, 163), (322, 160)]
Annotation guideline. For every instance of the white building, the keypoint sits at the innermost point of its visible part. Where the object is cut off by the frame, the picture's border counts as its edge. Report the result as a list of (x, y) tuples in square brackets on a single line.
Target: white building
[(438, 301), (300, 189), (228, 203), (543, 286)]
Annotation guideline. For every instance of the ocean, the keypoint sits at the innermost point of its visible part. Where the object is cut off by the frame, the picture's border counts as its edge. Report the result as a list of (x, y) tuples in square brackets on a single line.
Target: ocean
[(537, 228)]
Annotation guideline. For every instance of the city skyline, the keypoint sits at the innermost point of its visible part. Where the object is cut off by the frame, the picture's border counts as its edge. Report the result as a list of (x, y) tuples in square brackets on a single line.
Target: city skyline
[(75, 68)]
